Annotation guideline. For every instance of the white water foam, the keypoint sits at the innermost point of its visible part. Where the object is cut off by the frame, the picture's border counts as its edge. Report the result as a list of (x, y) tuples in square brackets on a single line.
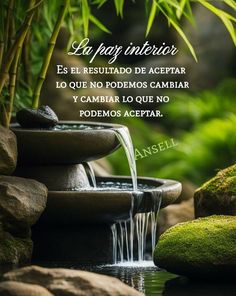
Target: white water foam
[(134, 264)]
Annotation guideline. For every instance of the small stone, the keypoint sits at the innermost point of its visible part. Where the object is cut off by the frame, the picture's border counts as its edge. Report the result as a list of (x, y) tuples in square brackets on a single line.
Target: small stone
[(218, 195), (22, 201), (203, 248), (8, 151), (44, 117), (11, 288), (62, 282)]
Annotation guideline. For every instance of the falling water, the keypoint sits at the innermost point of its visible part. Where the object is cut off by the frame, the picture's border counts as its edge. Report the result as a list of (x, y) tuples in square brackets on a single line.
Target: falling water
[(154, 216), (141, 223), (123, 136), (114, 238), (90, 173), (126, 233)]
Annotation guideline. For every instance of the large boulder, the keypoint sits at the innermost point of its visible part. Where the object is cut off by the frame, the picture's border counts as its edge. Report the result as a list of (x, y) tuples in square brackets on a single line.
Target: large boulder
[(174, 214), (8, 151), (14, 249), (66, 282), (22, 201), (202, 248), (10, 288), (217, 196)]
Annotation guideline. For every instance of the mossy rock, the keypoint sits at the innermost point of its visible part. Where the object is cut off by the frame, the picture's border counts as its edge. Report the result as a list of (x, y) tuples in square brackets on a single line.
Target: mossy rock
[(202, 248), (14, 250), (218, 195)]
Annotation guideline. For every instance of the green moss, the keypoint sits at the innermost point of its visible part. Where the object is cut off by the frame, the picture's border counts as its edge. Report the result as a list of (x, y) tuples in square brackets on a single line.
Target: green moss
[(203, 247), (224, 181), (217, 196), (14, 250)]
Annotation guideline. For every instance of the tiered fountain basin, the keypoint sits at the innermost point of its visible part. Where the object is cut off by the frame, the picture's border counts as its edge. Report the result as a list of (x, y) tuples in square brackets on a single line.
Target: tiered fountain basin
[(76, 222), (67, 143), (108, 206), (103, 205)]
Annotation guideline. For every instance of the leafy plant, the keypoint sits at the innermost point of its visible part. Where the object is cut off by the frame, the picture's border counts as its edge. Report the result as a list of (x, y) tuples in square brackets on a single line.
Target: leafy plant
[(203, 125), (187, 110), (175, 11), (26, 28)]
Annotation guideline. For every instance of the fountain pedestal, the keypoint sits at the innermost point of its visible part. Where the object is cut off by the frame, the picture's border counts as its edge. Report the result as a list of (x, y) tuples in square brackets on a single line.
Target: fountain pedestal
[(76, 225), (86, 244)]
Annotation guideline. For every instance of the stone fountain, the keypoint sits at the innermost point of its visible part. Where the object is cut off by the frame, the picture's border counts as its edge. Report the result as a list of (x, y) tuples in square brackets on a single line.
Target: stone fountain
[(77, 222)]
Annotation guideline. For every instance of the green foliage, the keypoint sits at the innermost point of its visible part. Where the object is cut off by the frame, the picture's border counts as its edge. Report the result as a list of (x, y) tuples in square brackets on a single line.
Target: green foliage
[(34, 22), (186, 110), (174, 11), (209, 146), (203, 125)]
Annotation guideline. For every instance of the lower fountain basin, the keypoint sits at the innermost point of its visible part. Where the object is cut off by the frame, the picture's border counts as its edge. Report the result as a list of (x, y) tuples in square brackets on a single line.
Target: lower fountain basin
[(108, 205), (71, 142)]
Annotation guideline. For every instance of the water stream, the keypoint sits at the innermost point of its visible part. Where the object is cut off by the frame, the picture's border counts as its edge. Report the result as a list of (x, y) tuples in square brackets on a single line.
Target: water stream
[(90, 173), (124, 137), (127, 234), (130, 237)]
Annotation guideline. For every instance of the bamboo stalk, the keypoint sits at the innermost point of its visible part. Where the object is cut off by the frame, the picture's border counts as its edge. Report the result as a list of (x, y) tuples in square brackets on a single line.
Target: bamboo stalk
[(48, 54), (26, 59), (12, 86), (1, 51), (7, 30), (1, 32), (17, 44), (3, 118), (12, 30)]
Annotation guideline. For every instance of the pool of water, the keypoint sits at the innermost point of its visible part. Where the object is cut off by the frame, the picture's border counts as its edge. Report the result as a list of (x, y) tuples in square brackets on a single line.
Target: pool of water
[(148, 279), (68, 127), (143, 276), (115, 186)]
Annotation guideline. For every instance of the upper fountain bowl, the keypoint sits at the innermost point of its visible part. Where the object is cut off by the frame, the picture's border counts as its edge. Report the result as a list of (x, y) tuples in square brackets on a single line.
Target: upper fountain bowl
[(70, 142)]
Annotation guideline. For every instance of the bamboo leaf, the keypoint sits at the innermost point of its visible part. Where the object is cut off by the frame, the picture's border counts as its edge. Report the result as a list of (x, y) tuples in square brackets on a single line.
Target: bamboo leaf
[(100, 3), (229, 26), (85, 16), (189, 13), (217, 11), (182, 34), (116, 6), (151, 18), (181, 8), (231, 3), (119, 5), (225, 17), (122, 2), (180, 31), (96, 22)]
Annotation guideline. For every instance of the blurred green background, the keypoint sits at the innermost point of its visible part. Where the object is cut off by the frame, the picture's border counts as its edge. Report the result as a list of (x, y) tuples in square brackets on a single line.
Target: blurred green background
[(202, 120)]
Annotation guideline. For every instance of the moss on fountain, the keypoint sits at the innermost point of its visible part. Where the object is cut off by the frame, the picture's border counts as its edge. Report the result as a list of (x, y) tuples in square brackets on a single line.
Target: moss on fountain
[(203, 248)]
